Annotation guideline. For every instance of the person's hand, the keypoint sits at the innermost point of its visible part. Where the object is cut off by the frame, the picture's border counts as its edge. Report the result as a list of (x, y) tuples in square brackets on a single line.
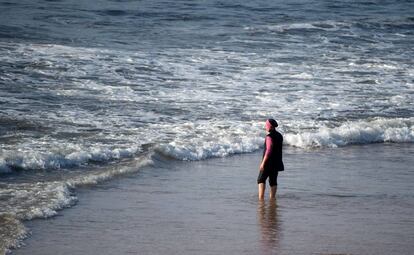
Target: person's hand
[(261, 168)]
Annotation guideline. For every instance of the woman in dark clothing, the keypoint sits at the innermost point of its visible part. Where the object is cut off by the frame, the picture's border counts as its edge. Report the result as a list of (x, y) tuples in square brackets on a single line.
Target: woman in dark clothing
[(272, 160)]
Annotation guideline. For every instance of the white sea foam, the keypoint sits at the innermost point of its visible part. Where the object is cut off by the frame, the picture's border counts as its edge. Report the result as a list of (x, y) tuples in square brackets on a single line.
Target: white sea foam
[(104, 175), (68, 155), (304, 76), (12, 231), (214, 141), (284, 27), (35, 200), (402, 100), (218, 139), (202, 149), (399, 130), (26, 201), (43, 199), (322, 25)]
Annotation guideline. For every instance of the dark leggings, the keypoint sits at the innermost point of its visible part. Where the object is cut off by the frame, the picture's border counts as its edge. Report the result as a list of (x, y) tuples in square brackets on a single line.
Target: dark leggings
[(272, 174)]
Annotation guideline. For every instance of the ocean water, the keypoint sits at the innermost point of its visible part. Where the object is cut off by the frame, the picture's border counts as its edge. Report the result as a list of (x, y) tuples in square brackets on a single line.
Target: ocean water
[(93, 89)]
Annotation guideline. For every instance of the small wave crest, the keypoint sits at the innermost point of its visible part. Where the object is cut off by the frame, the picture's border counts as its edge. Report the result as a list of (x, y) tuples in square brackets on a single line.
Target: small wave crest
[(203, 150), (208, 140), (322, 25), (77, 156), (111, 172)]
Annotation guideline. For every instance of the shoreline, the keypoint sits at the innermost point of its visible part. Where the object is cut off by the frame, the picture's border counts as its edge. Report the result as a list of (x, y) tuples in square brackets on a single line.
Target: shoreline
[(210, 207)]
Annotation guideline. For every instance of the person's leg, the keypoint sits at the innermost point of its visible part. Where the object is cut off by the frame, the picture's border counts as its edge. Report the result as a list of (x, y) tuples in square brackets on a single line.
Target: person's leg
[(273, 192), (262, 187), (261, 181), (273, 184)]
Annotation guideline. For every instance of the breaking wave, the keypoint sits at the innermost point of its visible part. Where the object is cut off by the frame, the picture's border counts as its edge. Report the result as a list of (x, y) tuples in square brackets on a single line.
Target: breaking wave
[(400, 130), (250, 138)]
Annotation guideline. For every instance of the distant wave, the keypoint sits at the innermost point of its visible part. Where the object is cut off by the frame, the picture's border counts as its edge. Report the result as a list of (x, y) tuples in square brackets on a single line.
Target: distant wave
[(320, 25)]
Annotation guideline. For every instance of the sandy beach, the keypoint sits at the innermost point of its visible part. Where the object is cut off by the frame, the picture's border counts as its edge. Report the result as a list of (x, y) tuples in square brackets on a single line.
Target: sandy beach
[(353, 200)]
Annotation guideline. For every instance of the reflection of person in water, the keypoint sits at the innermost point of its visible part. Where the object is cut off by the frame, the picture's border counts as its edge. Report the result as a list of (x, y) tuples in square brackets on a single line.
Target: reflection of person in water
[(269, 226)]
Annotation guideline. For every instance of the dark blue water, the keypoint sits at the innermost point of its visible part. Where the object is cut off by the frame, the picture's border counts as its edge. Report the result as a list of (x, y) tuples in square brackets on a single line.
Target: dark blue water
[(191, 24)]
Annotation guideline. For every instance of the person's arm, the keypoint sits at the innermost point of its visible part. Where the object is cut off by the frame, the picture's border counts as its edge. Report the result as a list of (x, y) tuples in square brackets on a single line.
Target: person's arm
[(269, 147)]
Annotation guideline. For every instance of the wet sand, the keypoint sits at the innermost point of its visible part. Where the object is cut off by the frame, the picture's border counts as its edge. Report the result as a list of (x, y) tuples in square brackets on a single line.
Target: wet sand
[(353, 200)]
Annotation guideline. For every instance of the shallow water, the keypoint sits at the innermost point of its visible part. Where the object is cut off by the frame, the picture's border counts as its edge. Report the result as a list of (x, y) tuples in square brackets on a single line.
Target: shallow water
[(354, 200)]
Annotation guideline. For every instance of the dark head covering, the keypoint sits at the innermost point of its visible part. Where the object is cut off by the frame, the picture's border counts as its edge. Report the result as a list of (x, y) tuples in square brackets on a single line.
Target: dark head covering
[(271, 123)]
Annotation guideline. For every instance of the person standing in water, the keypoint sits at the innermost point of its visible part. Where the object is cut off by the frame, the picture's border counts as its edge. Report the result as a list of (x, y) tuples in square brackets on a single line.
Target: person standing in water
[(272, 160)]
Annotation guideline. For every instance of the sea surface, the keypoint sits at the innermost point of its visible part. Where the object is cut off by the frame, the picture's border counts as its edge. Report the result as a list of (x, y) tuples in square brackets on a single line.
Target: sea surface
[(94, 89)]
